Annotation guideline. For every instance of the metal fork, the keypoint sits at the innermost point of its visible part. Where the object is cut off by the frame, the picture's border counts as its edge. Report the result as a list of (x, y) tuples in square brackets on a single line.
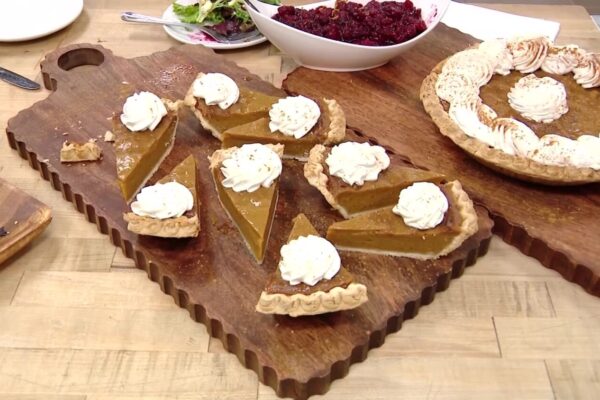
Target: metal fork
[(241, 37)]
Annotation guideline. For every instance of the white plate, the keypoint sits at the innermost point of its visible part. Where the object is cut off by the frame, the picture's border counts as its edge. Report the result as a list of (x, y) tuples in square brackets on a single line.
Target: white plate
[(196, 37), (30, 19)]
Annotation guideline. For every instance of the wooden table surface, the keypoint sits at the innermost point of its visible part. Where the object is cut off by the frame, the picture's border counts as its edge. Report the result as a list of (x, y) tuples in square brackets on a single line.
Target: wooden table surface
[(78, 321)]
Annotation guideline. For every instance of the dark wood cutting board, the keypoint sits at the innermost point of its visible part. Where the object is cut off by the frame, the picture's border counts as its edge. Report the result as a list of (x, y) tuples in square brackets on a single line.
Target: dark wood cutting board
[(22, 217), (558, 226), (214, 276)]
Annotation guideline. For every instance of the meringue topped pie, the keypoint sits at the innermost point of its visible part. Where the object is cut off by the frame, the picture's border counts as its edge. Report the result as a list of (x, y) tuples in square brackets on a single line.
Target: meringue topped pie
[(220, 104), (358, 177), (310, 278), (247, 181), (170, 207), (524, 107), (428, 221), (297, 122), (144, 136)]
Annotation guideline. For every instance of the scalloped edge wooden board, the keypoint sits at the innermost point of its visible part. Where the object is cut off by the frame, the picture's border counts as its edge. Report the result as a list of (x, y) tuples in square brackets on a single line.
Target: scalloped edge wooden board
[(214, 277), (23, 216), (552, 224)]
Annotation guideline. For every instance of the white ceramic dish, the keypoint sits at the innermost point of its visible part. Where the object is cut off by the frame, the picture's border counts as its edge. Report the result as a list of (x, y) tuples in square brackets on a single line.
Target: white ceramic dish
[(196, 37), (330, 55), (31, 19)]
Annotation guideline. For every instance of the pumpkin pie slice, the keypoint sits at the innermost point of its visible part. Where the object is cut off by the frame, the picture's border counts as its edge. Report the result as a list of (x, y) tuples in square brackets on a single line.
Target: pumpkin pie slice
[(351, 200), (330, 128), (139, 154), (186, 225), (341, 292), (251, 211), (250, 106), (384, 232)]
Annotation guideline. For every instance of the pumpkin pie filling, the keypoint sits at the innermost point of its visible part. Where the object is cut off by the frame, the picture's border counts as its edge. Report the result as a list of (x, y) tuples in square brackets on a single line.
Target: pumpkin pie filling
[(371, 195), (139, 154), (330, 128), (382, 231), (251, 212)]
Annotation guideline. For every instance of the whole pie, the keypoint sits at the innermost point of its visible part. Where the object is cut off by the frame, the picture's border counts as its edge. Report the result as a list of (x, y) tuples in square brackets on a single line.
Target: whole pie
[(524, 107), (140, 152), (330, 128), (351, 199), (250, 201), (280, 296), (249, 104), (185, 225), (385, 232)]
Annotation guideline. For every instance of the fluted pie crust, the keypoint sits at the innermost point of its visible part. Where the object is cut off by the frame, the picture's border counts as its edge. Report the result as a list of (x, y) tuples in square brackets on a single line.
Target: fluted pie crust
[(518, 167), (337, 294)]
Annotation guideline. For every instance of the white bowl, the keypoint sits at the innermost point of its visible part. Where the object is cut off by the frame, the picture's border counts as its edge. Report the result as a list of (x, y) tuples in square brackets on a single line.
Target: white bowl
[(324, 54)]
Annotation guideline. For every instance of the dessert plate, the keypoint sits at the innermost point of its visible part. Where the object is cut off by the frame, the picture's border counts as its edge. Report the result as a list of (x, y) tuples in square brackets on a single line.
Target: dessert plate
[(31, 19), (183, 35)]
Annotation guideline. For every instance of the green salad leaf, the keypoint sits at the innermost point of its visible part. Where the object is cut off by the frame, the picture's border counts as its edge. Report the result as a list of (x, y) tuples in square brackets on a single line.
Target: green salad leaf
[(187, 14)]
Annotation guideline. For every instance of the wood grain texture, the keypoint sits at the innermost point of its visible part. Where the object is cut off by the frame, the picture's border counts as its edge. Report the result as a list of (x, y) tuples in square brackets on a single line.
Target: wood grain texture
[(554, 225), (213, 277), (22, 216)]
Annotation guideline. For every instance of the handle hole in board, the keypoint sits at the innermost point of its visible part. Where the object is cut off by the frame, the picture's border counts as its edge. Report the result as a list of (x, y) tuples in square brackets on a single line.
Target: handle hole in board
[(80, 57)]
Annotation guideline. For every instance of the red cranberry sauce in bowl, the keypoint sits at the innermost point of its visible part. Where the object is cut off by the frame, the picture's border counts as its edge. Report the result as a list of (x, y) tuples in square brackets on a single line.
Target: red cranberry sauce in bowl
[(374, 24)]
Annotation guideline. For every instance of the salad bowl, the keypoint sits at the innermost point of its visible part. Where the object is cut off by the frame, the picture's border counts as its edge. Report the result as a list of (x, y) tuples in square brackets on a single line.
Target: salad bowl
[(320, 53)]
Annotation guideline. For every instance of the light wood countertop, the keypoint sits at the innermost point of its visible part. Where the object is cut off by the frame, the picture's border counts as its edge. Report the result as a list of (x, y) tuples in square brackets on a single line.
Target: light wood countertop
[(78, 321)]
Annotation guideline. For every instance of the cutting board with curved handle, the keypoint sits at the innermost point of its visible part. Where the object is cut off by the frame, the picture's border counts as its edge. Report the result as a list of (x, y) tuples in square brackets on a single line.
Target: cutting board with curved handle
[(213, 276)]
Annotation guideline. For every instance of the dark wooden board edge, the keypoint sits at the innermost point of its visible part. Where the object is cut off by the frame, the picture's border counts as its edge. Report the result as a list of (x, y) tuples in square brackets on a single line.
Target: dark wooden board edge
[(283, 388)]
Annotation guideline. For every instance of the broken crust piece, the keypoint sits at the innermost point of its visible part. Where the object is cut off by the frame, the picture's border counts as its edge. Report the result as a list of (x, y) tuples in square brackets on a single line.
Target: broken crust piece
[(77, 152), (337, 299)]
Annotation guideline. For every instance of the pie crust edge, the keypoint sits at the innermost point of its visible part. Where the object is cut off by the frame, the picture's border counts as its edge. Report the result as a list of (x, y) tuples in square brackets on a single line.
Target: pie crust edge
[(514, 166), (78, 152), (313, 172), (179, 227), (320, 302)]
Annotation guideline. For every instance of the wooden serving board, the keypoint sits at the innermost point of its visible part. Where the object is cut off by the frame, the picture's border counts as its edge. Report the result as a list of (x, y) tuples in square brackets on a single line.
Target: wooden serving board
[(558, 226), (22, 217), (214, 276)]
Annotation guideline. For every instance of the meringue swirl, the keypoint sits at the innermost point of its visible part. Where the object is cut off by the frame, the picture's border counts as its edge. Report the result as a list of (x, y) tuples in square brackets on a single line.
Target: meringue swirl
[(529, 53), (470, 117), (473, 63), (561, 60), (539, 99), (519, 139), (497, 50), (587, 72), (453, 87)]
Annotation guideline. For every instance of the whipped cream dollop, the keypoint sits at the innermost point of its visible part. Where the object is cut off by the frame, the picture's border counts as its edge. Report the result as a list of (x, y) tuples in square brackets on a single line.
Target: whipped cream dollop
[(308, 259), (587, 71), (250, 167), (587, 154), (497, 50), (294, 116), (529, 53), (539, 99), (163, 200), (422, 205), (143, 111), (554, 150), (216, 89), (356, 163)]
